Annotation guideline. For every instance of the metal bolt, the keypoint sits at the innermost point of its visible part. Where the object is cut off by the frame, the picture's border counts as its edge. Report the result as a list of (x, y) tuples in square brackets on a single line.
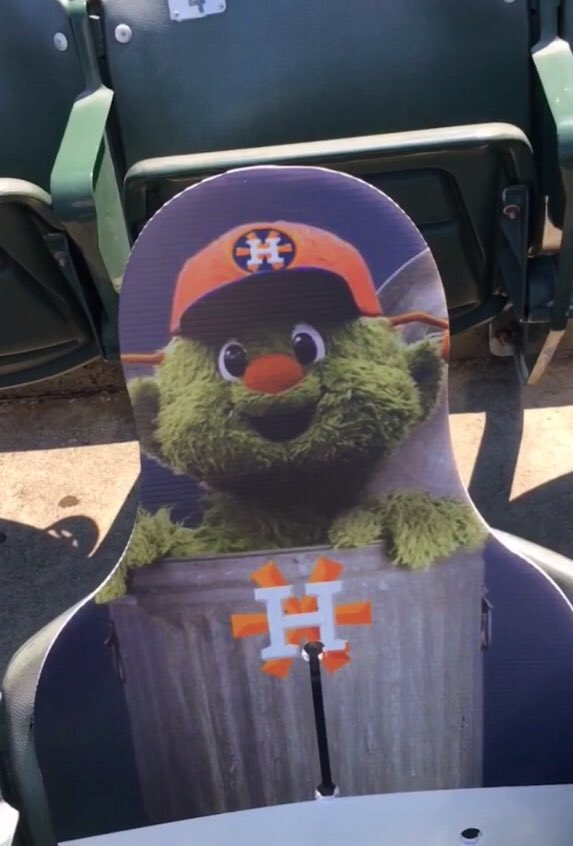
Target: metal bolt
[(512, 211), (60, 42), (510, 1), (61, 258), (123, 33), (176, 15), (221, 7)]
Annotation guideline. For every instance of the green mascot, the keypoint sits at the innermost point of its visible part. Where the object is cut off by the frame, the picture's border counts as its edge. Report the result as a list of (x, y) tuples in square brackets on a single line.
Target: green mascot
[(282, 392)]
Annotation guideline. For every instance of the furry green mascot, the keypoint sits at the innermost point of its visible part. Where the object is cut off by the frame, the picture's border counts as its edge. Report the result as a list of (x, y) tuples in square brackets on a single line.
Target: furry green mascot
[(282, 392)]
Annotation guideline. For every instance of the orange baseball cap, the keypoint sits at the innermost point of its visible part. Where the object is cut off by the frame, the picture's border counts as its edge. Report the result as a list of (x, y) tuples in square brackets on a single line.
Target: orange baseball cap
[(260, 251)]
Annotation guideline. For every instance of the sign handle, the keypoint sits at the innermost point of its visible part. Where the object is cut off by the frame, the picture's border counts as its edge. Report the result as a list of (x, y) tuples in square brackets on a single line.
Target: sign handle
[(326, 788)]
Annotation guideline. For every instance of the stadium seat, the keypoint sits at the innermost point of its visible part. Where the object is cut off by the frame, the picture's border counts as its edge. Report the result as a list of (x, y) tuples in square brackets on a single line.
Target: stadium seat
[(284, 342), (328, 85), (59, 302)]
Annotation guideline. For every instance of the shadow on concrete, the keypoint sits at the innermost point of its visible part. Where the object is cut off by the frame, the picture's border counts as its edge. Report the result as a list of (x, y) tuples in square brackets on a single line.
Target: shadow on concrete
[(471, 382), (45, 571), (42, 424), (542, 514)]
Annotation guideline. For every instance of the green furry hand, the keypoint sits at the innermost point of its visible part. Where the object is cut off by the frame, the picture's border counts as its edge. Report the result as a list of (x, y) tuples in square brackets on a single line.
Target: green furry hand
[(416, 528), (154, 537)]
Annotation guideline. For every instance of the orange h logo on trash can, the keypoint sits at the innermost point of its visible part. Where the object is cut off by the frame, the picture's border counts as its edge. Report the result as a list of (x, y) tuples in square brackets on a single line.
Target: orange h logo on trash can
[(294, 621)]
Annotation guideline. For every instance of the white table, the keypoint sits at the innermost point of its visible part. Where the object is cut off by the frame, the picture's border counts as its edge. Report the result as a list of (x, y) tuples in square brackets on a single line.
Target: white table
[(515, 816)]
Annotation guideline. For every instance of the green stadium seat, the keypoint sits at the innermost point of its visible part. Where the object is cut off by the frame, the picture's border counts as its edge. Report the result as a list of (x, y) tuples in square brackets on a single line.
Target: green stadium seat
[(59, 305), (375, 91)]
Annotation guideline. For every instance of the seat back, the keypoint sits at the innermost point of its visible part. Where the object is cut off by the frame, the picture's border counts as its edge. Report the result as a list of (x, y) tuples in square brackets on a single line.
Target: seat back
[(288, 76), (257, 75), (284, 339), (40, 78), (46, 325)]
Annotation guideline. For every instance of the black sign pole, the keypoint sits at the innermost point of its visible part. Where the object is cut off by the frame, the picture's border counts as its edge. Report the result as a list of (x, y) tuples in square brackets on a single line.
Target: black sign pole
[(326, 788)]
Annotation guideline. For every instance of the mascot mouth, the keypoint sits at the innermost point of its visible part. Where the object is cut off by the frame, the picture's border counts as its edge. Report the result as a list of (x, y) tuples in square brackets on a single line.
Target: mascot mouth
[(282, 426)]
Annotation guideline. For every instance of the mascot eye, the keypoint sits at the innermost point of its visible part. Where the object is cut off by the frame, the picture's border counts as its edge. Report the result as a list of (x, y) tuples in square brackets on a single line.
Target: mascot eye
[(232, 361), (307, 344)]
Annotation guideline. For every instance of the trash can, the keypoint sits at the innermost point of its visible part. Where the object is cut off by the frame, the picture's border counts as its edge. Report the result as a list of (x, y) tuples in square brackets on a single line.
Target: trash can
[(215, 731)]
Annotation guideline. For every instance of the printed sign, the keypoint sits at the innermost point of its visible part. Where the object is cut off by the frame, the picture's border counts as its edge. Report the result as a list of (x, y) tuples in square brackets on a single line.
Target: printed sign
[(284, 339)]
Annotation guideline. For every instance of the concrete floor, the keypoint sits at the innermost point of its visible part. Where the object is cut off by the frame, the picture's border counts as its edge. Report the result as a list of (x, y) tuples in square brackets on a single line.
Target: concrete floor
[(69, 466)]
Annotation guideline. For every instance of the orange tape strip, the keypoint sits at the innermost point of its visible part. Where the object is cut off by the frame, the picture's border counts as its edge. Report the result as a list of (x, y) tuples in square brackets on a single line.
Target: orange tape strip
[(354, 614), (334, 661), (326, 570), (279, 667), (268, 575), (248, 625)]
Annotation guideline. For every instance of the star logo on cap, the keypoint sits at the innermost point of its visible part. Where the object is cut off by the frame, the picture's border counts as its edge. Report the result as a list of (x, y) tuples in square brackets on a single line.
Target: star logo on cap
[(264, 249)]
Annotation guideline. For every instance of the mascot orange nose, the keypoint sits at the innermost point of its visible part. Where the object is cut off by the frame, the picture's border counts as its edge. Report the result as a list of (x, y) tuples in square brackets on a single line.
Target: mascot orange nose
[(273, 374)]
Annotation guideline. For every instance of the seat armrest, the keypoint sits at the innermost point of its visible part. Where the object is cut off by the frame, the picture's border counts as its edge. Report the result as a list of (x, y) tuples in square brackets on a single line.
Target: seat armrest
[(28, 194), (22, 195), (86, 196)]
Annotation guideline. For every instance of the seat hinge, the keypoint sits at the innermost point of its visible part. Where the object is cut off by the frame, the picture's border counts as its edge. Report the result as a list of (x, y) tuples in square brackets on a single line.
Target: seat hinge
[(514, 234)]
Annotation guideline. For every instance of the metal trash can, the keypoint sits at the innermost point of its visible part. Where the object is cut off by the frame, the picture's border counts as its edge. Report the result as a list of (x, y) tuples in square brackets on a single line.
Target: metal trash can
[(213, 732)]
